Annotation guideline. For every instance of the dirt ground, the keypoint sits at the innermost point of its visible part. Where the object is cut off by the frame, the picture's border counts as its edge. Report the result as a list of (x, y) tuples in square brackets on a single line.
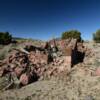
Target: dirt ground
[(82, 83)]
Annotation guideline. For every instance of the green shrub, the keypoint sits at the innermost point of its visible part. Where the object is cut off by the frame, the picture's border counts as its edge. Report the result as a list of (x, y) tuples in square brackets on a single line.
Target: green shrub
[(72, 34), (5, 38), (96, 36)]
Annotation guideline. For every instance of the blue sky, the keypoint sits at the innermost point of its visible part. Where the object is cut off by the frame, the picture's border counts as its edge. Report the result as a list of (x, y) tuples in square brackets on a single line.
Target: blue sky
[(43, 19)]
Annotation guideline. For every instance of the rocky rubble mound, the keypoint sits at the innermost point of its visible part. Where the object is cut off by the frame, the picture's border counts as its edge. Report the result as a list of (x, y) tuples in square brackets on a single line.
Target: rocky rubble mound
[(24, 66)]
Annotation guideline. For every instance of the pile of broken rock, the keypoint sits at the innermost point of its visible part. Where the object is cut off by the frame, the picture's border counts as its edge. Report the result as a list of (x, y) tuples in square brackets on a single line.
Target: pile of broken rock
[(24, 66)]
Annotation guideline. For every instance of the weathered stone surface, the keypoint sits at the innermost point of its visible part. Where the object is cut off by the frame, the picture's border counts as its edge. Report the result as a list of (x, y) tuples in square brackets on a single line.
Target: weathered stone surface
[(78, 84), (24, 79), (30, 64), (18, 71), (67, 51)]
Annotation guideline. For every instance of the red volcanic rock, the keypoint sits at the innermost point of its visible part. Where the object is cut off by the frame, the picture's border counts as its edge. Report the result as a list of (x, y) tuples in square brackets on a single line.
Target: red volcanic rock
[(18, 71), (32, 63), (24, 79)]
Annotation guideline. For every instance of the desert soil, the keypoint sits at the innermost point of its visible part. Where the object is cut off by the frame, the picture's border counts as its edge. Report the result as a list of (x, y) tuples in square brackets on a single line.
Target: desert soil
[(80, 84)]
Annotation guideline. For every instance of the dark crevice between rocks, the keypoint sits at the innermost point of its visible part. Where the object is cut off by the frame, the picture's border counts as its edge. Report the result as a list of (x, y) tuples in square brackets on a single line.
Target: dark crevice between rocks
[(77, 57)]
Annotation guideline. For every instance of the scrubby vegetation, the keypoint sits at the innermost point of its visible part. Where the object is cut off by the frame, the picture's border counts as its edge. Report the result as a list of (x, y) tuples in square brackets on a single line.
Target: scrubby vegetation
[(72, 34), (5, 38), (96, 36)]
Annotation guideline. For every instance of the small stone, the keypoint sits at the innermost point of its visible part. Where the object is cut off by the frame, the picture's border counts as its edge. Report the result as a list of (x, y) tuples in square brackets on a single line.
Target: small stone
[(24, 79), (18, 71)]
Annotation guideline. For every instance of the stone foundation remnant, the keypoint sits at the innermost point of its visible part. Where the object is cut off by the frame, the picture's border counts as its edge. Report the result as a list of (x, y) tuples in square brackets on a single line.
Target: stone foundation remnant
[(30, 64)]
